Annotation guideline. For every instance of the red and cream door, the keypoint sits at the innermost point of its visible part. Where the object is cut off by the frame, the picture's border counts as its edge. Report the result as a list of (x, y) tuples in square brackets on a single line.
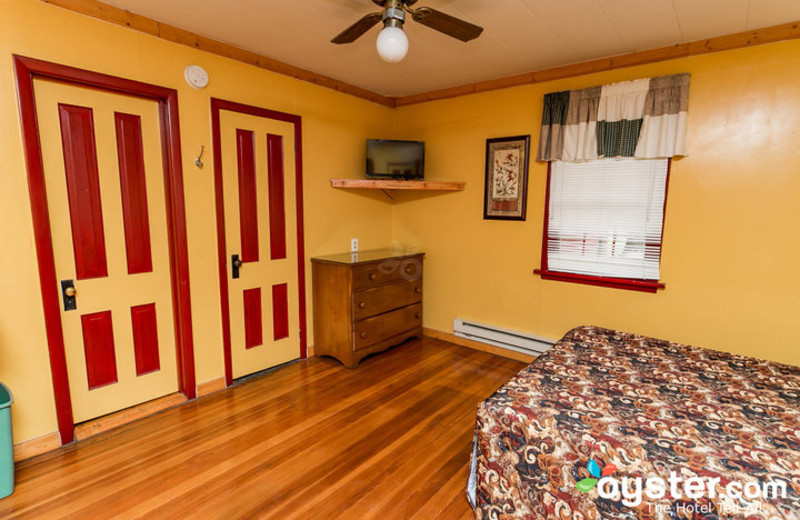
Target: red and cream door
[(104, 179), (258, 165)]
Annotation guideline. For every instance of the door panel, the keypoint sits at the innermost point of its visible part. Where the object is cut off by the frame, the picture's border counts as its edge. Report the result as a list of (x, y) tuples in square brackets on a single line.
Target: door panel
[(98, 343), (277, 204), (280, 311), (133, 186), (144, 322), (83, 189), (253, 318), (258, 155), (104, 177)]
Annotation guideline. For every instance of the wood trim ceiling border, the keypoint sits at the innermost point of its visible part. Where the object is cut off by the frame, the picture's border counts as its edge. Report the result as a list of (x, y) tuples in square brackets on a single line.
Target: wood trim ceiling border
[(115, 15), (108, 13), (789, 31)]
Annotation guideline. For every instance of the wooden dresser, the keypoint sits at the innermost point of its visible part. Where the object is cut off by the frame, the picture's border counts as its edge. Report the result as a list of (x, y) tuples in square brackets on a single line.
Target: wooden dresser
[(365, 302)]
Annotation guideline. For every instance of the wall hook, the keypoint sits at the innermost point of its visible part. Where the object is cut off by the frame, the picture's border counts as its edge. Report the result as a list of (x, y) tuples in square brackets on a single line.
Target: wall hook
[(199, 161)]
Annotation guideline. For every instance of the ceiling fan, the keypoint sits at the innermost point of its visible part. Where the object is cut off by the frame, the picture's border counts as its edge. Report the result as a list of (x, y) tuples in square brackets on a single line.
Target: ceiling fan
[(392, 42)]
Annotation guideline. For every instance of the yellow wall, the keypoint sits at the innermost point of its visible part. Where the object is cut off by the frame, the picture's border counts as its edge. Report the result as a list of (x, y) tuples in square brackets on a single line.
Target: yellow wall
[(335, 127), (723, 290), (731, 258)]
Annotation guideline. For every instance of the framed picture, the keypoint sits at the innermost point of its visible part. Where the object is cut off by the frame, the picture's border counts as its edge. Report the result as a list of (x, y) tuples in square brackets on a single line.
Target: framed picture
[(506, 190)]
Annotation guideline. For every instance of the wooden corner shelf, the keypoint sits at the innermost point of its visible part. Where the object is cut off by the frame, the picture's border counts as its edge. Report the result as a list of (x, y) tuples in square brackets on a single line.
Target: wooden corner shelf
[(389, 184)]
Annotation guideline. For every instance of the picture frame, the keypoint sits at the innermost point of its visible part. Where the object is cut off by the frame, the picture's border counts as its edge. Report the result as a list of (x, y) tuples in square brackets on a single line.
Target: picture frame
[(506, 183)]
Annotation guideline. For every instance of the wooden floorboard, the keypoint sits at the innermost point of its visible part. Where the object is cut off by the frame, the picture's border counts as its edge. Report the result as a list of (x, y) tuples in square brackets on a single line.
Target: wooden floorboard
[(389, 440)]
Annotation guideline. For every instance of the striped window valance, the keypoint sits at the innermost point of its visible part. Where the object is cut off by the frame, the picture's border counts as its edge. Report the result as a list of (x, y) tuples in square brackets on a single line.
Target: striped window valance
[(644, 118)]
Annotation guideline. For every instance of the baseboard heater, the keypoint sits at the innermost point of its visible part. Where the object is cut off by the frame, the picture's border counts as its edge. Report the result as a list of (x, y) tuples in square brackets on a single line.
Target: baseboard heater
[(504, 338)]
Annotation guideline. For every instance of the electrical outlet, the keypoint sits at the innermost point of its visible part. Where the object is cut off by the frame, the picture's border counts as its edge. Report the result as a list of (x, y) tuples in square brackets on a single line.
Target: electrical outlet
[(353, 245)]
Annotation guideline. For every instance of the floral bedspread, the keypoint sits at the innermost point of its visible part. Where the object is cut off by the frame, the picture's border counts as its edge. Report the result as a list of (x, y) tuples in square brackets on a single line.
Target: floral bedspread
[(611, 425)]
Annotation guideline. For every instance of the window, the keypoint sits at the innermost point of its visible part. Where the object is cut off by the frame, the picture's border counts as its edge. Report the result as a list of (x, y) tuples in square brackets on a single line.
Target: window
[(604, 221)]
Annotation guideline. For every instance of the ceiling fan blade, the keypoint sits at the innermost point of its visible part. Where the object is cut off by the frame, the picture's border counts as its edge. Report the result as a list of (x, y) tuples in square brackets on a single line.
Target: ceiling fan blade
[(355, 31), (450, 25)]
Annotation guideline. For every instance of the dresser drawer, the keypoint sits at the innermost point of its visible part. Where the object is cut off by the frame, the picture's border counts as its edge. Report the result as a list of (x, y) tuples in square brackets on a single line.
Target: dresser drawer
[(391, 270), (382, 327), (370, 302)]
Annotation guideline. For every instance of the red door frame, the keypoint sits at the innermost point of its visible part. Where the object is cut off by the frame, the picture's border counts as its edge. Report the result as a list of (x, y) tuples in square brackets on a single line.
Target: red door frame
[(217, 105), (26, 70)]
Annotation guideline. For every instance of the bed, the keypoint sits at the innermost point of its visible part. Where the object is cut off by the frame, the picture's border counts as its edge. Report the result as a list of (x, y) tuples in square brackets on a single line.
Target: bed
[(573, 434)]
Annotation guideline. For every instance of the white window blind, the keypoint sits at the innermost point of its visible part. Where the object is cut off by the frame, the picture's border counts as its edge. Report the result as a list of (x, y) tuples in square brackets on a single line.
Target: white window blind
[(606, 217)]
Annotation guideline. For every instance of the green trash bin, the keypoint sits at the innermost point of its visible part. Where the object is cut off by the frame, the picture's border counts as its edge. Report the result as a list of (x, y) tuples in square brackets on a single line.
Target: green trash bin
[(6, 445)]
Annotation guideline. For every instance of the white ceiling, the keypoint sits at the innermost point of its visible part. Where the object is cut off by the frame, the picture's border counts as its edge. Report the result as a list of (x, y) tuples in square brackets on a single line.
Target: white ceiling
[(519, 36)]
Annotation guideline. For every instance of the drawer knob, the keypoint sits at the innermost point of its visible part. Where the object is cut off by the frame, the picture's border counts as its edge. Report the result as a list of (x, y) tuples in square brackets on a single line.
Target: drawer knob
[(417, 290), (416, 315), (409, 269), (363, 335), (372, 276), (362, 305)]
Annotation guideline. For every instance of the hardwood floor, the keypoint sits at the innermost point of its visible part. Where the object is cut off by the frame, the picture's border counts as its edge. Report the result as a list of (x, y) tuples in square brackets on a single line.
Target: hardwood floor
[(389, 440)]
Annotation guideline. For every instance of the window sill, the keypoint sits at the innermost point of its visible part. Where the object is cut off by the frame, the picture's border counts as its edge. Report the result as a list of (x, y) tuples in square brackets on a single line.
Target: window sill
[(650, 286)]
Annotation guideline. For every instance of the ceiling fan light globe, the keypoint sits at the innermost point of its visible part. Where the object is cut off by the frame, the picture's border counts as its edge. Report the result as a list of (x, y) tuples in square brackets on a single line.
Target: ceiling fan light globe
[(392, 44)]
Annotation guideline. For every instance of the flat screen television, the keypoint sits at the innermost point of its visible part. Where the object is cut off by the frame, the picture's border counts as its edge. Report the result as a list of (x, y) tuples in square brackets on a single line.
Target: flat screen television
[(389, 159)]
